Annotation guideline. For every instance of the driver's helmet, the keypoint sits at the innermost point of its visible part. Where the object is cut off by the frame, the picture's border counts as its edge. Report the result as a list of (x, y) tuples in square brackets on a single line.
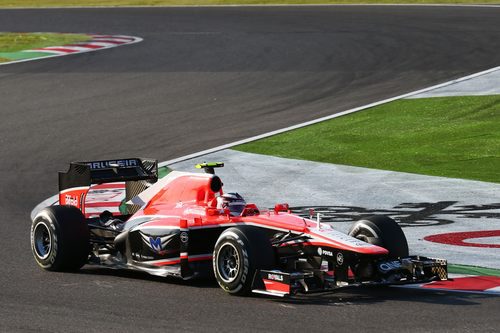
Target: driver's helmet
[(232, 201)]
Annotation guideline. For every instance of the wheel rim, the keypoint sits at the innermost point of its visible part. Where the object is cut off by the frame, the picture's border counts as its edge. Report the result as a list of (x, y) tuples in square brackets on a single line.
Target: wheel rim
[(42, 241), (228, 262)]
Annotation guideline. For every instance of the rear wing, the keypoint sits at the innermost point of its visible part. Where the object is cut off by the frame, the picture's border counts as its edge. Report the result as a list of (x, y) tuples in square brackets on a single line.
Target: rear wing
[(136, 173)]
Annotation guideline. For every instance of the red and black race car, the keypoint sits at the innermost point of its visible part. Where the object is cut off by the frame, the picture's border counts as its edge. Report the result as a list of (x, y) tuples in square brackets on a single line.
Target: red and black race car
[(184, 225)]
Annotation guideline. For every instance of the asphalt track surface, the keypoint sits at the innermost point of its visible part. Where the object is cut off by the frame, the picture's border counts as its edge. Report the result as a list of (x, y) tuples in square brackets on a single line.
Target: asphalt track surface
[(201, 78)]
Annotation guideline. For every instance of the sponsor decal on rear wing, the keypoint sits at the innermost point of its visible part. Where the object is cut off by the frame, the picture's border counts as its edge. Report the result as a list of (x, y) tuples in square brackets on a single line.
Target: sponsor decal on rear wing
[(75, 183)]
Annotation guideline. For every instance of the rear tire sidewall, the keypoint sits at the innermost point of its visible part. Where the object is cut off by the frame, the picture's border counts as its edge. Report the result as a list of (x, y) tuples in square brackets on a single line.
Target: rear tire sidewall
[(44, 220), (69, 238)]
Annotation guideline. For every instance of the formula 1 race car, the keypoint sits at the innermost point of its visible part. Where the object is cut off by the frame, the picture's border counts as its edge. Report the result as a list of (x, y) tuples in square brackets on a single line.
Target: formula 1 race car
[(184, 225)]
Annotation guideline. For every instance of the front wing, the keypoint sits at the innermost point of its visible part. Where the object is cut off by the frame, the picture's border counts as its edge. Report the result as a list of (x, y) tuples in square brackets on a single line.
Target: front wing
[(413, 269)]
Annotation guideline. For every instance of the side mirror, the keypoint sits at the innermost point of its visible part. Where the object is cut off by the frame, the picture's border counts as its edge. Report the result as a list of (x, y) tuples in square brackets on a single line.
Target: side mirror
[(250, 210), (283, 207)]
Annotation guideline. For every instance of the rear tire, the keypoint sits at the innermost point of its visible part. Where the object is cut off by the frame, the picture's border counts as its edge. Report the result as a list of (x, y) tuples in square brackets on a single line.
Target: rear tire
[(60, 238), (382, 231), (238, 253)]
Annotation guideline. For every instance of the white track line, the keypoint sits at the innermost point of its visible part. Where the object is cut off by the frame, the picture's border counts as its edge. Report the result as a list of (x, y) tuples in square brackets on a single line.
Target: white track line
[(52, 200), (315, 121), (102, 45), (76, 49)]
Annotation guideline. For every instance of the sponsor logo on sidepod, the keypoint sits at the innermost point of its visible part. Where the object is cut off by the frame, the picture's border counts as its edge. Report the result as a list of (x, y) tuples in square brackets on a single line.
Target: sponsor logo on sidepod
[(157, 244)]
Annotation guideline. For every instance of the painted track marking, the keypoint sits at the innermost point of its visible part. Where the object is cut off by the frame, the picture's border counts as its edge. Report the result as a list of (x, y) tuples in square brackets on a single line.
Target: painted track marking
[(97, 43), (469, 238)]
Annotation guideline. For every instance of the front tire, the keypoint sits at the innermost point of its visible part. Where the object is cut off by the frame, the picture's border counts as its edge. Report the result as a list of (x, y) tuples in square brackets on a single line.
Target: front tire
[(60, 238), (382, 231), (238, 253)]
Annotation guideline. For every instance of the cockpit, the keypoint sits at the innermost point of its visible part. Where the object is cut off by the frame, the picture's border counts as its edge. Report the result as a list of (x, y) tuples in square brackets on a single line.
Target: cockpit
[(232, 201)]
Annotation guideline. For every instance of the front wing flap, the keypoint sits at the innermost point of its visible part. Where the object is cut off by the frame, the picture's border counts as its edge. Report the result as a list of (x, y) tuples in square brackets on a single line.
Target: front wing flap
[(408, 270)]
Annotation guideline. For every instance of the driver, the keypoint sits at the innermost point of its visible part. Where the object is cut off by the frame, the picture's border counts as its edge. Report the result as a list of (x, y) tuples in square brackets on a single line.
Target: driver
[(232, 201)]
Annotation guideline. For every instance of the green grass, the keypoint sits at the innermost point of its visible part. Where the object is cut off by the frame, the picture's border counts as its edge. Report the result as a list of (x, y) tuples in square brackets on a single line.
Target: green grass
[(473, 270), (163, 171), (451, 137), (14, 42), (63, 3)]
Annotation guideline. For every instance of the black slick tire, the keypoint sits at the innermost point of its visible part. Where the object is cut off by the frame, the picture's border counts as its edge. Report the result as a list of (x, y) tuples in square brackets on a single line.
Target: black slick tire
[(382, 231), (238, 253), (60, 238)]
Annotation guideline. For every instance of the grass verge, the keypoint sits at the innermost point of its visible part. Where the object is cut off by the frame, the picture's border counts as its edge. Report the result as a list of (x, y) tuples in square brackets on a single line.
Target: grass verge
[(473, 270), (455, 137), (163, 171), (14, 42), (65, 3)]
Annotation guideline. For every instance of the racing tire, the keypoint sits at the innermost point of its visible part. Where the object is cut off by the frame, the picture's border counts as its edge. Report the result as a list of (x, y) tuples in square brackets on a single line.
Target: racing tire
[(238, 253), (60, 238), (382, 231)]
